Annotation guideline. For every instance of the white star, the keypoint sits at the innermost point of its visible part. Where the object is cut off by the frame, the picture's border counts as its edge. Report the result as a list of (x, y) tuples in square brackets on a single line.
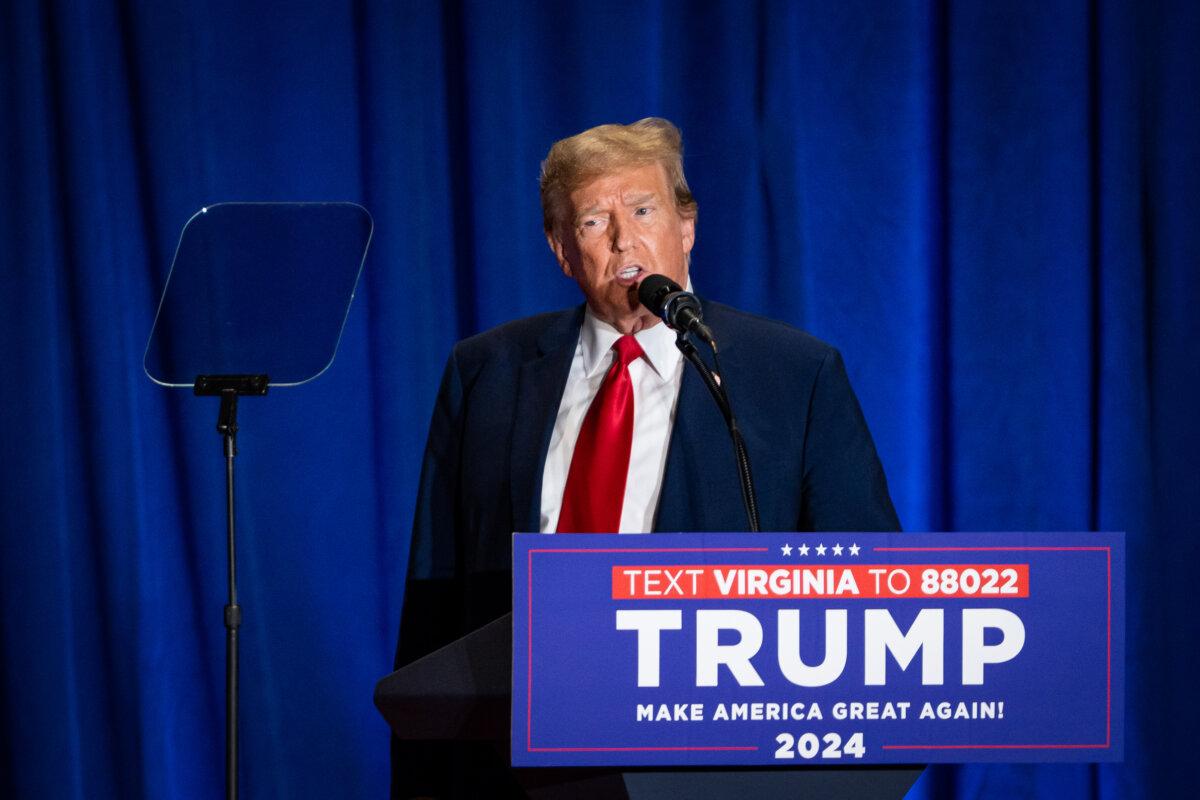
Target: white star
[(837, 549), (786, 549), (854, 549), (802, 549), (820, 549)]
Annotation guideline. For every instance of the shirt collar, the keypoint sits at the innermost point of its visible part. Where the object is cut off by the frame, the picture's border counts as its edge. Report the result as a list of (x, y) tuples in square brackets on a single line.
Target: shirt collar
[(658, 342)]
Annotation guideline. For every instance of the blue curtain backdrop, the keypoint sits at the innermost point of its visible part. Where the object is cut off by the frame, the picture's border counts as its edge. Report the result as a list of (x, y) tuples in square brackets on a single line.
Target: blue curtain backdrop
[(990, 207)]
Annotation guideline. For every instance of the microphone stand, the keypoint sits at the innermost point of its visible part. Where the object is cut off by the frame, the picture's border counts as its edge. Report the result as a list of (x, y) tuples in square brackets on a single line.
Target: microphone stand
[(713, 384)]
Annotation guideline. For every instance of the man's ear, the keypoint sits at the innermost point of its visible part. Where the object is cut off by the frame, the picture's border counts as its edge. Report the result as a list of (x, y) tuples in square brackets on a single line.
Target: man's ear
[(560, 254), (687, 226)]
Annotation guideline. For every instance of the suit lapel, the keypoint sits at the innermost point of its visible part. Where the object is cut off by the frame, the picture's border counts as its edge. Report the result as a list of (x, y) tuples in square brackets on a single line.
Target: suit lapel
[(701, 490), (700, 486), (540, 384)]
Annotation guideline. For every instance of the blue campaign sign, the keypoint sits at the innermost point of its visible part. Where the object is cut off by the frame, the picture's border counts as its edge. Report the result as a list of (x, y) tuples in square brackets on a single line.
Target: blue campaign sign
[(790, 648)]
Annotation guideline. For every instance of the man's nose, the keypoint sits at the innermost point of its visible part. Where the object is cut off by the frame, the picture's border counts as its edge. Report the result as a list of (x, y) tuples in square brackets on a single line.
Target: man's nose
[(621, 238)]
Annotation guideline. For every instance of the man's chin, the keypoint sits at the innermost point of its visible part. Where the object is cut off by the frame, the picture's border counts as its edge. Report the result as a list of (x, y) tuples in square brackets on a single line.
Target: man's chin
[(628, 316), (638, 320)]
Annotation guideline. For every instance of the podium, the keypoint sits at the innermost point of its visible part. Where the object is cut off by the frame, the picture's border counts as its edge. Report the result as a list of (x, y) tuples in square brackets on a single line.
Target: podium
[(462, 693)]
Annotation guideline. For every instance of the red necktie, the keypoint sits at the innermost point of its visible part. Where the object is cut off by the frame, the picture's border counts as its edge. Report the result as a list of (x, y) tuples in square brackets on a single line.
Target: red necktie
[(596, 481)]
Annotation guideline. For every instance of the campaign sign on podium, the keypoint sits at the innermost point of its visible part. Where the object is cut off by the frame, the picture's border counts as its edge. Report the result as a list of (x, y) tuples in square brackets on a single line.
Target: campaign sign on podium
[(793, 649)]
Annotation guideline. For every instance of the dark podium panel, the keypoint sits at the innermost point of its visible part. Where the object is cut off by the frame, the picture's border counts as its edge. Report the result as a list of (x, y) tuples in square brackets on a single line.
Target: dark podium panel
[(462, 693)]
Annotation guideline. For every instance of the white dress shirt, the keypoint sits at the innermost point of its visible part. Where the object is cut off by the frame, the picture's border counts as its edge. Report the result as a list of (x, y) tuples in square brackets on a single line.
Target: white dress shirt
[(656, 381)]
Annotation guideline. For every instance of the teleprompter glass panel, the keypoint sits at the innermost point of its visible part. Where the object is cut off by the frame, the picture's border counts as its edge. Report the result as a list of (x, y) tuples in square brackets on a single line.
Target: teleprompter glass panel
[(258, 288)]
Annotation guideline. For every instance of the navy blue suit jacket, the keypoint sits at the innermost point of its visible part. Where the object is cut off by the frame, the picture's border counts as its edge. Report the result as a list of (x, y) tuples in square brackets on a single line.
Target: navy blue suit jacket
[(814, 464), (813, 461)]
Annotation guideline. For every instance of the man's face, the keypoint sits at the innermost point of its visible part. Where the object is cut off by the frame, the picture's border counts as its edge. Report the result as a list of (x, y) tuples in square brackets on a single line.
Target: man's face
[(618, 229)]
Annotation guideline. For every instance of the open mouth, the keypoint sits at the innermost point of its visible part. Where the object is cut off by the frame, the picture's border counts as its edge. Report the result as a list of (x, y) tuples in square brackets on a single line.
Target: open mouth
[(628, 276)]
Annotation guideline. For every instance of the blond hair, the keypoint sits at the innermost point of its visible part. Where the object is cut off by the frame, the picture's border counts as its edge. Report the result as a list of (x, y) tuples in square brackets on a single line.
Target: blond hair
[(578, 159)]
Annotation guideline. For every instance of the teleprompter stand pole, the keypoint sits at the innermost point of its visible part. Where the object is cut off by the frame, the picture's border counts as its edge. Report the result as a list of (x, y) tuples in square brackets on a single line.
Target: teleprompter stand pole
[(229, 388)]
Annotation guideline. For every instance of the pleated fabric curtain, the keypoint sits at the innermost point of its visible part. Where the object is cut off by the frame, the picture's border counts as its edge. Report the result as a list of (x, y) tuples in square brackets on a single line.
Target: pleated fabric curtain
[(990, 208)]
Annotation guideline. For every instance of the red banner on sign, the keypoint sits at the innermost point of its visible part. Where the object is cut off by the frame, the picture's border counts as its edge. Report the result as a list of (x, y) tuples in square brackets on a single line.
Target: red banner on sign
[(863, 581)]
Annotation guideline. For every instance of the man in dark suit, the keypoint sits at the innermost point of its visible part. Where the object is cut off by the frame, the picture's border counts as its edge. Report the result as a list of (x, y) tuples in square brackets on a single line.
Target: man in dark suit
[(522, 436)]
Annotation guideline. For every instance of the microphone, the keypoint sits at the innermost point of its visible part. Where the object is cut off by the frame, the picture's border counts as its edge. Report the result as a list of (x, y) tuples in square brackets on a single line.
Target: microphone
[(679, 309)]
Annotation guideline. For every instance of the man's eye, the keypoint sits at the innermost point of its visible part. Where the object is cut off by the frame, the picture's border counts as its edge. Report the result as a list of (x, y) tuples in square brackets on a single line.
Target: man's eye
[(643, 211)]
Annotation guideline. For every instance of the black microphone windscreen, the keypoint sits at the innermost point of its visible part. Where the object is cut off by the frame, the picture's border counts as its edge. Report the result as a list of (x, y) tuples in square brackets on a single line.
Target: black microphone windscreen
[(653, 290)]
